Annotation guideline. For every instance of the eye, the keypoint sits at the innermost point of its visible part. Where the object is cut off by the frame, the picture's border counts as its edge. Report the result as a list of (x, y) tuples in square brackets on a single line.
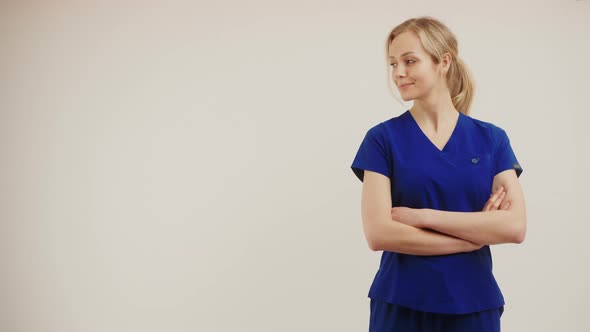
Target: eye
[(392, 64)]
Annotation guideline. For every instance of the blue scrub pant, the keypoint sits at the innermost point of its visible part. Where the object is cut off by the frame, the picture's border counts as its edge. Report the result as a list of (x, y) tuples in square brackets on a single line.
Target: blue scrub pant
[(387, 317)]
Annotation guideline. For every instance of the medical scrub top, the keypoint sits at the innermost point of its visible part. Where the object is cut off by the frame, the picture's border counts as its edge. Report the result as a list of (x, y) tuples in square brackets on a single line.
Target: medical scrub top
[(457, 178)]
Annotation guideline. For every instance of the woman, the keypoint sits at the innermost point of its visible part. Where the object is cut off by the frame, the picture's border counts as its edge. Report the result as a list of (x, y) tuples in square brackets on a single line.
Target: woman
[(453, 183)]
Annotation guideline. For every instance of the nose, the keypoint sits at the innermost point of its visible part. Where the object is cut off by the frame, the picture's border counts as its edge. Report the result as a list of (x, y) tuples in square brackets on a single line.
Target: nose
[(397, 72)]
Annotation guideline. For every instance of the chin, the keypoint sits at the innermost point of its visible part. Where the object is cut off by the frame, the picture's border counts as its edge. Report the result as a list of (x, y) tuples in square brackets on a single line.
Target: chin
[(407, 97)]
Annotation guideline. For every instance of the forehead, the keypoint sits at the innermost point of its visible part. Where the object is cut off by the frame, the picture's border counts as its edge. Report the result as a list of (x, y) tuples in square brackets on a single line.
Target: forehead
[(403, 43)]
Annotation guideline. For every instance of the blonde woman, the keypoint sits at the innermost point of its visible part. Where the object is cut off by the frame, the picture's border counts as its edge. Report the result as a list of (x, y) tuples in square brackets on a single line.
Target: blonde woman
[(439, 187)]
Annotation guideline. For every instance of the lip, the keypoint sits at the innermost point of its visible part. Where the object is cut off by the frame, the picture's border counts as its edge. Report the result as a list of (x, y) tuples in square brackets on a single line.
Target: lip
[(405, 85)]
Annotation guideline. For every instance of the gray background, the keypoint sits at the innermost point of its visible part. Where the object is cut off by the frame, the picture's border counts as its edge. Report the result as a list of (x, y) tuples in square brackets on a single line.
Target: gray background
[(185, 166)]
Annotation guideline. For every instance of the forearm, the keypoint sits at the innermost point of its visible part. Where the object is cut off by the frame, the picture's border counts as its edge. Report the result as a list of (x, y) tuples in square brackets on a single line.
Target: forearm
[(490, 227), (401, 238)]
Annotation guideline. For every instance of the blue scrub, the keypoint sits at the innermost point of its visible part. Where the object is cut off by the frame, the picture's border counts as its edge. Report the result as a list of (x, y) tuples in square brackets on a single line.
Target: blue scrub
[(390, 317), (457, 178)]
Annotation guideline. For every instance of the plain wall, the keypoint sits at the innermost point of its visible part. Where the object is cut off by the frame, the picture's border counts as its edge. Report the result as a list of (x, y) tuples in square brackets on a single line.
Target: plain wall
[(185, 166)]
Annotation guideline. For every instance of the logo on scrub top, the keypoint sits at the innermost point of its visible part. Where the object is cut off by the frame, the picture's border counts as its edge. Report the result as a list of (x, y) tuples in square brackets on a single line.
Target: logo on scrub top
[(474, 160)]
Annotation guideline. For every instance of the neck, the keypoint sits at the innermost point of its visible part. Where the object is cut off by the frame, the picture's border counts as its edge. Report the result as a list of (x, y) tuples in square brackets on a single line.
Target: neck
[(436, 111), (435, 119)]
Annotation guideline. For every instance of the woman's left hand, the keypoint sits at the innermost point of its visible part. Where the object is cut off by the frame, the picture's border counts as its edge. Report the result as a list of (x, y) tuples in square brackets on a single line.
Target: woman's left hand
[(409, 216)]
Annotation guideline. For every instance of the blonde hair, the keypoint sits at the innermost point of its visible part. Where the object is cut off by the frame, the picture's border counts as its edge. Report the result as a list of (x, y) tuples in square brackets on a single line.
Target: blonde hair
[(437, 39)]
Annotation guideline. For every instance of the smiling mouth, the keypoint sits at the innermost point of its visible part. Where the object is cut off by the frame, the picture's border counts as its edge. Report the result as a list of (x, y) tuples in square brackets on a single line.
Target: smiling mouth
[(405, 85)]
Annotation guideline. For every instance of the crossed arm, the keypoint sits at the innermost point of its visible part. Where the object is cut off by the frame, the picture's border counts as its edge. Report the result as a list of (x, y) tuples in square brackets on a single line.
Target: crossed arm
[(435, 232), (485, 227)]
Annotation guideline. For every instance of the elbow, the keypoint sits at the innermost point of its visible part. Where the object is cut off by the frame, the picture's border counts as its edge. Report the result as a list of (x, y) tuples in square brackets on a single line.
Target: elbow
[(520, 234), (374, 243), (382, 236), (374, 246), (373, 235), (376, 240)]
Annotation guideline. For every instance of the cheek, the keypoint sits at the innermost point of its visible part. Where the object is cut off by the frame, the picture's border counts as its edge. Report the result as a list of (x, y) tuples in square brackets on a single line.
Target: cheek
[(424, 81)]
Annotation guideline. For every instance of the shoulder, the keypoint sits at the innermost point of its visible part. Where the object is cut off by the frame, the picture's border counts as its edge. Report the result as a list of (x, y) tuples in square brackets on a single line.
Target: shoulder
[(485, 125), (389, 127), (385, 128), (493, 131)]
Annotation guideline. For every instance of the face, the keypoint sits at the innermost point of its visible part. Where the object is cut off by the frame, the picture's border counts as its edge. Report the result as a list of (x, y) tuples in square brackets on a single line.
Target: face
[(411, 65)]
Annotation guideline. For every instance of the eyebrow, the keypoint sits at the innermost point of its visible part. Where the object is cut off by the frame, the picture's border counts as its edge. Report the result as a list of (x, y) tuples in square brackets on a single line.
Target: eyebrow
[(403, 55)]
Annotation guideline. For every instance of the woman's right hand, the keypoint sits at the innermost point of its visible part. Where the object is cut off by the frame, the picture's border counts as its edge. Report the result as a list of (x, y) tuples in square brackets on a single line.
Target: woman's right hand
[(495, 201)]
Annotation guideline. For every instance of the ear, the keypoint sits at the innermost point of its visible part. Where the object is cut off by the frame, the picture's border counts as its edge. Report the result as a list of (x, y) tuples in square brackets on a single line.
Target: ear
[(447, 59)]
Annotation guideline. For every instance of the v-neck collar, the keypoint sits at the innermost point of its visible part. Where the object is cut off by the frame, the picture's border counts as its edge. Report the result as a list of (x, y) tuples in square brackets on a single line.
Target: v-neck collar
[(449, 141)]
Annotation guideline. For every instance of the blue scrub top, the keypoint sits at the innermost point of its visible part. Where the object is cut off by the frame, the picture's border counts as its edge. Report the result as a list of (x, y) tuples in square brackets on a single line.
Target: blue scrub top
[(458, 178)]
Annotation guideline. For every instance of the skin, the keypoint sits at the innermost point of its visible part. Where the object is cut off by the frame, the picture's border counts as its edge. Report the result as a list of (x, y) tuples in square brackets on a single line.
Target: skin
[(428, 231)]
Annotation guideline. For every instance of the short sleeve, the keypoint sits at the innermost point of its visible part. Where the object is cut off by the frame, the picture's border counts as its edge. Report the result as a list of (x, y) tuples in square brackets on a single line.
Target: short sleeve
[(504, 155), (372, 155)]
